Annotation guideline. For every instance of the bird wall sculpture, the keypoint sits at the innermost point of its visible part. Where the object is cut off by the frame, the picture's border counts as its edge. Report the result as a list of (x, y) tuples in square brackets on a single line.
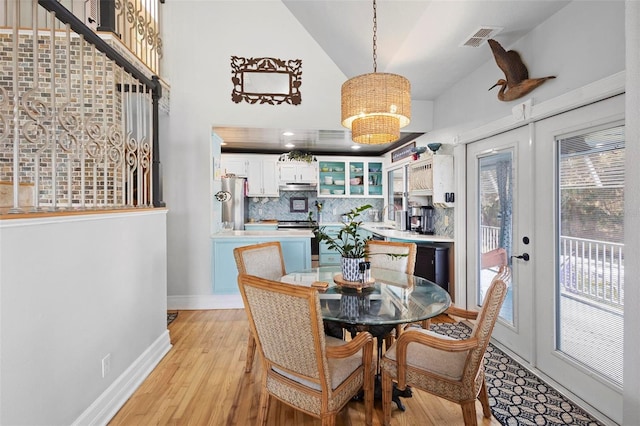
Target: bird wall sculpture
[(517, 83)]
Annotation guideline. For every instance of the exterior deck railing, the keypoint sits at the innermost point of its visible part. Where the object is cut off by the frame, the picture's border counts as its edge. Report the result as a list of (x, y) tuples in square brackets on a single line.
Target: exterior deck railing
[(590, 270), (593, 270)]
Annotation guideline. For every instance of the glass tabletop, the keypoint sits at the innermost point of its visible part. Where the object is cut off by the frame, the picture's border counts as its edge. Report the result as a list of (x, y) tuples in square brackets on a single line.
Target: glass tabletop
[(395, 298)]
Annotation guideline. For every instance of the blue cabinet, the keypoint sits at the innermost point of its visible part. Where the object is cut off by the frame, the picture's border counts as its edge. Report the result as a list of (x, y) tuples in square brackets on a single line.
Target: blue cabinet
[(296, 253)]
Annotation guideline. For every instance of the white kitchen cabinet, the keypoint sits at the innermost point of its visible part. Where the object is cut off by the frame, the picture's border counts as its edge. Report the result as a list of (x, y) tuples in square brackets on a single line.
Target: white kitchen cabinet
[(260, 170), (298, 172), (262, 176), (234, 164), (433, 176)]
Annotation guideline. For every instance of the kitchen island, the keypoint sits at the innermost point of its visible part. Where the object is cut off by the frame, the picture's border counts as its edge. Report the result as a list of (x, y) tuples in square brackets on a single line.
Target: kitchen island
[(296, 250)]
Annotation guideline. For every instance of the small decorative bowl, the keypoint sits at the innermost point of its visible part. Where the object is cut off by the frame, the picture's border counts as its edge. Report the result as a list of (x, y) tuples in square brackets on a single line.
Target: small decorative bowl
[(434, 146)]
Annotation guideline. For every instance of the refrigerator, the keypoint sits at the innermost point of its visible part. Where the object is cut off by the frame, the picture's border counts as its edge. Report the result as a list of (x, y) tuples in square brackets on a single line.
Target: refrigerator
[(235, 204)]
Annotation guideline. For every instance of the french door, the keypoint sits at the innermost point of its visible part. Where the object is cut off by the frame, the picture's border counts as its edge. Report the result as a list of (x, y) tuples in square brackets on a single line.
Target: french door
[(499, 228), (580, 274), (547, 199)]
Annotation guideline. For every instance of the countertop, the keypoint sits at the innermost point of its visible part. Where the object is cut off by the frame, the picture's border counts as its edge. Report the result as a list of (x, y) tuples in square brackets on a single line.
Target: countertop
[(385, 230), (282, 233), (379, 228)]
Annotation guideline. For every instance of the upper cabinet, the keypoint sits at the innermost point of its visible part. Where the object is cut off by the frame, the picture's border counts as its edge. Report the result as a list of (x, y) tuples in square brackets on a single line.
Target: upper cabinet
[(433, 176), (262, 176), (234, 164), (260, 170), (298, 172), (340, 177)]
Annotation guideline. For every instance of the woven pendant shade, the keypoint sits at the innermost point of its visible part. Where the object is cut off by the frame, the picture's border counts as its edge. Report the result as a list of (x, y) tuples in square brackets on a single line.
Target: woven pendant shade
[(375, 106)]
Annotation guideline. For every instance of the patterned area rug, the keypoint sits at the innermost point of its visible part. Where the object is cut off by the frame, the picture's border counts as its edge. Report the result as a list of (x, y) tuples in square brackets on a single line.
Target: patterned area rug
[(516, 396), (170, 317)]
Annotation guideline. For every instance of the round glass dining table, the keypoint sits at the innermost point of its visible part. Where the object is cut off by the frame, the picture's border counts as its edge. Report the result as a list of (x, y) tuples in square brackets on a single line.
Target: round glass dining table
[(395, 298)]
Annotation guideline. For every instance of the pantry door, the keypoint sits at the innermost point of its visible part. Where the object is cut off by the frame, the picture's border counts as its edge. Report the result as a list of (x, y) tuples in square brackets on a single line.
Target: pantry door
[(499, 226)]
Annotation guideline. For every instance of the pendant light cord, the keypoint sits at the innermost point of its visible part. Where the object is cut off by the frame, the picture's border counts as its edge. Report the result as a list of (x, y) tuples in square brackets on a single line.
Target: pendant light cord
[(375, 38)]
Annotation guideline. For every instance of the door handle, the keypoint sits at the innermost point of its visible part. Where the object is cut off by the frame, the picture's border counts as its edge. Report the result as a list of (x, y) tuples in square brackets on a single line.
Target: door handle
[(523, 256)]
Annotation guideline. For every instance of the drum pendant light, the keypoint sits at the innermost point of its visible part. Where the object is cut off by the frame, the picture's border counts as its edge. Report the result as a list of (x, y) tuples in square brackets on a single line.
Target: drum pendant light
[(376, 106)]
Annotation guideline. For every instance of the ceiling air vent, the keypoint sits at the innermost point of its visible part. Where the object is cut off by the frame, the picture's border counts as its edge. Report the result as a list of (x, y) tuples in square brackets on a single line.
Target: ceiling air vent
[(479, 36)]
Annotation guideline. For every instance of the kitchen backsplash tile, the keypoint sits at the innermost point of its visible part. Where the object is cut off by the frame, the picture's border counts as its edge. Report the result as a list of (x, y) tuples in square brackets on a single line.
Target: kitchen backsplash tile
[(279, 209)]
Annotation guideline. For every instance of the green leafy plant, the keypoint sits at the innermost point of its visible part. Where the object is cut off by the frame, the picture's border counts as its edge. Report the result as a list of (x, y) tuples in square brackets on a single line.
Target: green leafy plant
[(300, 156), (348, 242)]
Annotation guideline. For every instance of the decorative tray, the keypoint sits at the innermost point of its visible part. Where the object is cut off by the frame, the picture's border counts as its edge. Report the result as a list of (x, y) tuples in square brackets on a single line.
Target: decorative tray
[(352, 284)]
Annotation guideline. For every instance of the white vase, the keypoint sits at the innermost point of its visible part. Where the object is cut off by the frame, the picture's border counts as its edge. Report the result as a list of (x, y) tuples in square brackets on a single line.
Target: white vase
[(351, 268)]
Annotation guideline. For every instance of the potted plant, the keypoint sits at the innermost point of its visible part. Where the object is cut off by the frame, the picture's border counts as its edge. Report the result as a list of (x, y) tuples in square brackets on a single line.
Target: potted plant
[(348, 242)]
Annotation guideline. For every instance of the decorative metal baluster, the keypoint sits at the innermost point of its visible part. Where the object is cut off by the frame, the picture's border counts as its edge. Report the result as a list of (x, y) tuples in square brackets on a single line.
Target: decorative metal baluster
[(33, 129), (139, 137), (114, 138), (54, 113), (16, 122), (93, 131), (148, 148), (105, 126), (69, 123), (83, 130)]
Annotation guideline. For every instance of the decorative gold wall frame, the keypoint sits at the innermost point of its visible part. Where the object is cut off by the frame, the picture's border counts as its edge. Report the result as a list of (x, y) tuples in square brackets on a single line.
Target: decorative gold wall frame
[(266, 80)]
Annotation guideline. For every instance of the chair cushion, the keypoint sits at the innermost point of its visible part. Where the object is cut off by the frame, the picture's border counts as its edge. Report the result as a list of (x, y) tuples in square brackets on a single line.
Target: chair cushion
[(443, 363), (339, 368)]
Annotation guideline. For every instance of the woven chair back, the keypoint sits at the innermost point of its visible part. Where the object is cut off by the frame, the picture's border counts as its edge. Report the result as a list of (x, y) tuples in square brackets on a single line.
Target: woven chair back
[(377, 255), (287, 324), (262, 260)]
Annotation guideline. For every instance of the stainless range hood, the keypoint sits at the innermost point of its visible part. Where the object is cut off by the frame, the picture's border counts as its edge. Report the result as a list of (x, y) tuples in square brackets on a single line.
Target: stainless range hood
[(298, 187)]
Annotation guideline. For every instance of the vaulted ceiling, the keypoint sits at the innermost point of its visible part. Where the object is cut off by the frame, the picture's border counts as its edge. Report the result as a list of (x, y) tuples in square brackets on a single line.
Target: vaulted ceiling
[(420, 39)]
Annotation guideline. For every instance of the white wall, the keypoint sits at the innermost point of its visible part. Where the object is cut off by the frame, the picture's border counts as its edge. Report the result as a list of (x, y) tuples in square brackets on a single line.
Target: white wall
[(74, 289), (566, 45), (198, 70)]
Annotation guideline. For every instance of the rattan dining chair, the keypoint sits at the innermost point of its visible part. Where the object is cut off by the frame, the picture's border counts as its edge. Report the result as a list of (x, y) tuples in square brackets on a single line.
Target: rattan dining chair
[(263, 260), (376, 254), (449, 368), (303, 368)]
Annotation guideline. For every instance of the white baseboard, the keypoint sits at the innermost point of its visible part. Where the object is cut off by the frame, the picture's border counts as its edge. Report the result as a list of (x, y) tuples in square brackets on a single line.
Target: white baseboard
[(214, 301), (114, 397)]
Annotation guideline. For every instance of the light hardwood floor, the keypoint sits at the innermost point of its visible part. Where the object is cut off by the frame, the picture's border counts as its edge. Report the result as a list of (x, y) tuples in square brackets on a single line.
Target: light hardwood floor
[(201, 381)]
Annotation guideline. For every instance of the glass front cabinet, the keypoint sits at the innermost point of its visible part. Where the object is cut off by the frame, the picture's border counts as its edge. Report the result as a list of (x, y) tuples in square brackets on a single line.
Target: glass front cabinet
[(350, 177)]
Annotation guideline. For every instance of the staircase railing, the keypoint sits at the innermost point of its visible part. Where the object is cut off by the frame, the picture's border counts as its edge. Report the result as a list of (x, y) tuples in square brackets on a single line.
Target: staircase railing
[(78, 121)]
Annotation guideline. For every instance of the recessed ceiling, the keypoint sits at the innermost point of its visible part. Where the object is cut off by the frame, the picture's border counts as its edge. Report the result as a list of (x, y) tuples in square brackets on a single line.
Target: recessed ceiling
[(421, 40), (328, 142)]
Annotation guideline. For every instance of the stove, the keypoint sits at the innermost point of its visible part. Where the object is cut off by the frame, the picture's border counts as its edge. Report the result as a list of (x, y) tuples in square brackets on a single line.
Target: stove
[(294, 224)]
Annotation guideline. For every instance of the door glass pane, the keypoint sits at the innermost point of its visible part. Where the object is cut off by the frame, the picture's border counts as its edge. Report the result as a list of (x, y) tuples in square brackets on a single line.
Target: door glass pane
[(496, 223), (397, 189), (590, 289)]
